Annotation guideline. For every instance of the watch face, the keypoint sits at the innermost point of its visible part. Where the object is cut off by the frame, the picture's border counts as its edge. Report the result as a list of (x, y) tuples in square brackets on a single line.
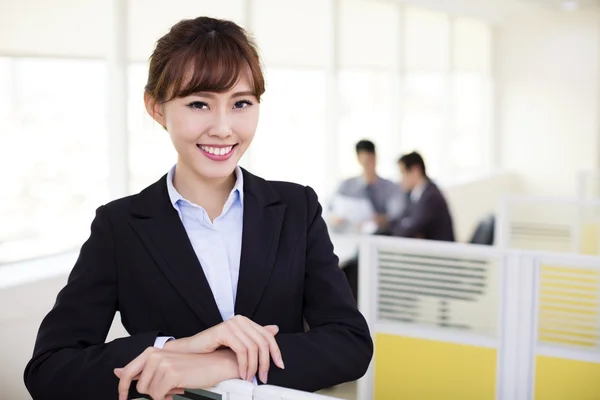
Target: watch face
[(198, 394)]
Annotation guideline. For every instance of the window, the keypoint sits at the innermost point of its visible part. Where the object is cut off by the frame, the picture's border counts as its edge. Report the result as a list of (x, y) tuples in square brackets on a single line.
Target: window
[(280, 29), (426, 40), (468, 152), (53, 145), (290, 140), (424, 116), (469, 146), (367, 111), (149, 20), (446, 110), (368, 34), (151, 153)]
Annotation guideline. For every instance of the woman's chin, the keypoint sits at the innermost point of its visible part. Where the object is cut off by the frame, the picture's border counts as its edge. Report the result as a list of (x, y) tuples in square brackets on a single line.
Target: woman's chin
[(215, 172)]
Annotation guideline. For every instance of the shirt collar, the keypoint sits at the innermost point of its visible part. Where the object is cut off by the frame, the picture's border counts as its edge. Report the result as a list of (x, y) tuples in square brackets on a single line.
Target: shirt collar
[(417, 192), (365, 183), (174, 195)]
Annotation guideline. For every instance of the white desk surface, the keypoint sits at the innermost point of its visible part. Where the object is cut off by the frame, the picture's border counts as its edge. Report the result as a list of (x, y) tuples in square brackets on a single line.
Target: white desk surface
[(345, 246)]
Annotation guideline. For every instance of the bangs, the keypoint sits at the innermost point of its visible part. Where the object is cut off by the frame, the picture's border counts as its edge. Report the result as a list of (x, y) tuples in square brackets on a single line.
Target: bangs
[(211, 63)]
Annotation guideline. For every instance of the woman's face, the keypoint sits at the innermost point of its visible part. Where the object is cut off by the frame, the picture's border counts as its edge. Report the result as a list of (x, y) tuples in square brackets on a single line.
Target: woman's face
[(210, 131)]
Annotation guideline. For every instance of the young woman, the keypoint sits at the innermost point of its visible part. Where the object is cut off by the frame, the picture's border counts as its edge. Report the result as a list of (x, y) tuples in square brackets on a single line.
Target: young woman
[(213, 270)]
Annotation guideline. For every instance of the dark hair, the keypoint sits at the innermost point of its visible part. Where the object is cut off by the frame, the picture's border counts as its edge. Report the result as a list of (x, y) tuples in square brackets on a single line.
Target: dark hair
[(366, 146), (412, 160), (203, 55)]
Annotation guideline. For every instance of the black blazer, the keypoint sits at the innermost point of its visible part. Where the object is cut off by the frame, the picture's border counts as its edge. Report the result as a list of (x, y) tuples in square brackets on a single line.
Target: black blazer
[(139, 261), (428, 218)]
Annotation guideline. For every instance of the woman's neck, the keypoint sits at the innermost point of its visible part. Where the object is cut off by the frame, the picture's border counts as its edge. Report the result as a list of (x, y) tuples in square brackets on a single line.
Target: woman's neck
[(210, 194)]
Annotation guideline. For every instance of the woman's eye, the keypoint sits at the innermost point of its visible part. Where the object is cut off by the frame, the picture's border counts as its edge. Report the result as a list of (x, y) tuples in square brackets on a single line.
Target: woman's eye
[(242, 104), (200, 105)]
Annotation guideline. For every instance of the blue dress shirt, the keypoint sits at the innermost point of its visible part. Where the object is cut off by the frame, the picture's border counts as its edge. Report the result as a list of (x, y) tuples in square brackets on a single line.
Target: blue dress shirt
[(217, 244)]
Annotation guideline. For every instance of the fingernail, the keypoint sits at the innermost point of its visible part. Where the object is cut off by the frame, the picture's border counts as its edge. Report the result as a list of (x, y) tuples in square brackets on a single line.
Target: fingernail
[(263, 377), (117, 372), (281, 364)]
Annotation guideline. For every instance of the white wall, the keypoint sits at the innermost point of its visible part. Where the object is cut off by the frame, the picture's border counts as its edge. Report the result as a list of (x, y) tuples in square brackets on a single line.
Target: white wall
[(548, 70), (24, 301), (472, 200)]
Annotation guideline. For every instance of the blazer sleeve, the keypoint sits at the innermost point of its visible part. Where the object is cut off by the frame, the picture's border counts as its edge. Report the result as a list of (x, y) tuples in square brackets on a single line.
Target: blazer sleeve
[(71, 359), (338, 347)]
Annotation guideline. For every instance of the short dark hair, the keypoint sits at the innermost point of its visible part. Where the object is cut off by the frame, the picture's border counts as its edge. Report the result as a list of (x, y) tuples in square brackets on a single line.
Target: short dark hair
[(412, 160), (366, 146)]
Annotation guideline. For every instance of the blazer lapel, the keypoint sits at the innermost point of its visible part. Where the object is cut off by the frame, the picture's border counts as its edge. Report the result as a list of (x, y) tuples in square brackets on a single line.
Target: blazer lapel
[(160, 229), (263, 218)]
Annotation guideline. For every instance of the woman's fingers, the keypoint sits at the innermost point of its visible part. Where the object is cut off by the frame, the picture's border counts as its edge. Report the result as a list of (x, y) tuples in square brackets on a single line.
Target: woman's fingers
[(264, 339), (242, 332), (147, 376), (241, 352), (263, 346), (273, 346), (131, 371)]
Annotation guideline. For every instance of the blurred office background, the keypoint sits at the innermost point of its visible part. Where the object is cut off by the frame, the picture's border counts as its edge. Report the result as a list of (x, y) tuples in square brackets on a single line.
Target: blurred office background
[(501, 97)]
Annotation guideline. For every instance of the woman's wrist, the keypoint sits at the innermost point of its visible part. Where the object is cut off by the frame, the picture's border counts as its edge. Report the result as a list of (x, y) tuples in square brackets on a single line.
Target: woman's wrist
[(225, 364), (178, 345)]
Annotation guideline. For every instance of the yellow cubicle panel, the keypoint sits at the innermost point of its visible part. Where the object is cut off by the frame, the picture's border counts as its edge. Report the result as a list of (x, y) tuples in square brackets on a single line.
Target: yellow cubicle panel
[(409, 368), (562, 379), (569, 306), (590, 239)]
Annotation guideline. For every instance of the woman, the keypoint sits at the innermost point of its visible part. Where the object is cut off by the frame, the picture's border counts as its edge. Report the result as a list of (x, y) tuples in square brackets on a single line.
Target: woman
[(214, 270)]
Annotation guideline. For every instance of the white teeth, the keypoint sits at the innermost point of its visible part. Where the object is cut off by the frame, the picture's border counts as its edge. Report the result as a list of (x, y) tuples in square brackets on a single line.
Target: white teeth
[(218, 151)]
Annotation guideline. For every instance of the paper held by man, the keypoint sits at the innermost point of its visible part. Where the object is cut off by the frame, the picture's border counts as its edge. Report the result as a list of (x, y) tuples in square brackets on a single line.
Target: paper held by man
[(357, 214)]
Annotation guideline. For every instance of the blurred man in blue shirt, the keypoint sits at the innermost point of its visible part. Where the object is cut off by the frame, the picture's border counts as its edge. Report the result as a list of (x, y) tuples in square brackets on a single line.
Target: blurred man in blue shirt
[(385, 198)]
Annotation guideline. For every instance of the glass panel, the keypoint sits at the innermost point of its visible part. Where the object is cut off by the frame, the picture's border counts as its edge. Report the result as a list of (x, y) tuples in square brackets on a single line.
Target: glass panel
[(151, 153), (469, 152), (149, 20), (369, 34), (54, 28), (290, 141), (280, 28), (423, 119), (426, 40), (472, 46), (54, 146), (367, 111)]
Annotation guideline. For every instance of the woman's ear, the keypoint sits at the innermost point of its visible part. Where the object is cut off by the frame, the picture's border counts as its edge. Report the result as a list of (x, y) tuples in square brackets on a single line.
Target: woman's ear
[(155, 109)]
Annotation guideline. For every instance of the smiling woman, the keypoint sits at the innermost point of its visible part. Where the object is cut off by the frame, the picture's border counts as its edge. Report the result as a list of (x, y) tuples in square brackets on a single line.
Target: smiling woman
[(213, 269)]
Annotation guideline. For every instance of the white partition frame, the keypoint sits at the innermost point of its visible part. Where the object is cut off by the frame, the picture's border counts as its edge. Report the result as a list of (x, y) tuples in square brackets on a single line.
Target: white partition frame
[(504, 220), (517, 342)]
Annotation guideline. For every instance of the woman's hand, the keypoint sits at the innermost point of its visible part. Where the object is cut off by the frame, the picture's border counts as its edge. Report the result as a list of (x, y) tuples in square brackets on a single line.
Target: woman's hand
[(253, 345), (162, 373)]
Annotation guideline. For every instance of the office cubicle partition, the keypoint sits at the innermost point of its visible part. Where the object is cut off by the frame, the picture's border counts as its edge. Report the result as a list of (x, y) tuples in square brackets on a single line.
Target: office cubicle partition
[(570, 225), (566, 315), (478, 322), (434, 316)]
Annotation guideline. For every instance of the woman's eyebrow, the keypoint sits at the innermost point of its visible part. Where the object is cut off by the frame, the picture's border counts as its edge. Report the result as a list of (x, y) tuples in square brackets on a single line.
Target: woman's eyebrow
[(243, 93), (211, 95)]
